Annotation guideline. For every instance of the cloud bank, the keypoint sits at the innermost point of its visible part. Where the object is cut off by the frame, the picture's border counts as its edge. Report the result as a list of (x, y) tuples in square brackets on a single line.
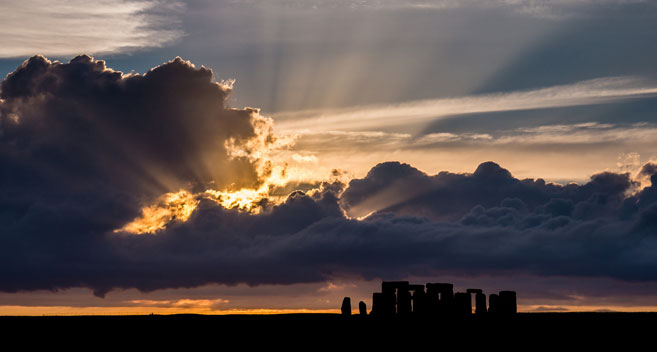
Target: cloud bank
[(84, 148)]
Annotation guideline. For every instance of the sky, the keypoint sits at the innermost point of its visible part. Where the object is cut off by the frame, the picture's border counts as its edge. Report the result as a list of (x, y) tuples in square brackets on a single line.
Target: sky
[(275, 156)]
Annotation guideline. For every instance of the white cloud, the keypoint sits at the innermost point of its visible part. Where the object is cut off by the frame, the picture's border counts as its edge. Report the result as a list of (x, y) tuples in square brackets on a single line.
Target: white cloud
[(445, 137), (596, 91), (70, 27), (590, 133), (583, 134), (546, 9), (304, 158)]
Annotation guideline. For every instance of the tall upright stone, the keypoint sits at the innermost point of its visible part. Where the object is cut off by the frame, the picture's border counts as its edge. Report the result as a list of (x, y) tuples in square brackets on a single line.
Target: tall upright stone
[(493, 303), (432, 299), (346, 306), (480, 304), (418, 298), (362, 308), (507, 303), (446, 305), (389, 293), (462, 304), (403, 299), (377, 305)]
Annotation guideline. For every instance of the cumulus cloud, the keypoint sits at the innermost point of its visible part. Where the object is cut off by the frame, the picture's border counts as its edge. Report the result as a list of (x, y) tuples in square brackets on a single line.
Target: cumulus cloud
[(83, 123), (63, 28), (83, 146)]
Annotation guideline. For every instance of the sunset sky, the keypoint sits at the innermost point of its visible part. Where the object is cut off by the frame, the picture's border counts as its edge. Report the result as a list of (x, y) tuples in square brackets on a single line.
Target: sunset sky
[(271, 156)]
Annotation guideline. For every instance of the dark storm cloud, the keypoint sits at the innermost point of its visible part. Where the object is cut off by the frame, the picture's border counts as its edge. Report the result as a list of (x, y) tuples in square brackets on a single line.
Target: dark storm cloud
[(306, 239), (82, 146), (648, 170), (83, 124), (81, 138)]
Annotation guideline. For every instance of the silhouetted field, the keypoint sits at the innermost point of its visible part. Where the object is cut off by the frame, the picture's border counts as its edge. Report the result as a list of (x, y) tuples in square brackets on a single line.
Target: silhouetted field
[(544, 329)]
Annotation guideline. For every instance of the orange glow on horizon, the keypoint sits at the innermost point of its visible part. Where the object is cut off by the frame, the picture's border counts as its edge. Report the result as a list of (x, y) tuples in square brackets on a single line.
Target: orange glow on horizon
[(16, 310)]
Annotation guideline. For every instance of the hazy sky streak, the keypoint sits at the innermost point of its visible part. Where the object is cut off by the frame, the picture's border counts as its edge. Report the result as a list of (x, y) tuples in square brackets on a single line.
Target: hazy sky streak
[(68, 28), (374, 117)]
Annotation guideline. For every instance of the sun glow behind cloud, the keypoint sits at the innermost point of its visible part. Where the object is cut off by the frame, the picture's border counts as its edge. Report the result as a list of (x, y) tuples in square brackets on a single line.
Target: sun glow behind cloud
[(175, 206), (179, 206), (259, 150)]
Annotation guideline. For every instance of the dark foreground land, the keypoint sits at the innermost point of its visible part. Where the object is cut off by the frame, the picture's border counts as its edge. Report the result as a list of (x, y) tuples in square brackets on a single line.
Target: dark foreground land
[(522, 331)]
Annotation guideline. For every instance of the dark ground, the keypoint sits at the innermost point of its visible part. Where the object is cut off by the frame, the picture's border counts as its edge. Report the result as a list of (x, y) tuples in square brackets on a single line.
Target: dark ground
[(521, 332)]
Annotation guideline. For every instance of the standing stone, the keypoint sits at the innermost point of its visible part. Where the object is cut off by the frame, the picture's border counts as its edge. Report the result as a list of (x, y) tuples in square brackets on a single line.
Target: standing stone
[(378, 304), (462, 304), (346, 306), (419, 300), (507, 302), (403, 299), (432, 298), (362, 308), (493, 303), (389, 306), (447, 305), (480, 303)]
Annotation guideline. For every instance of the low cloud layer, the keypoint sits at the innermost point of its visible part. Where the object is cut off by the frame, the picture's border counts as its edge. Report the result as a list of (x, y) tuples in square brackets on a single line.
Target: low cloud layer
[(84, 148)]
